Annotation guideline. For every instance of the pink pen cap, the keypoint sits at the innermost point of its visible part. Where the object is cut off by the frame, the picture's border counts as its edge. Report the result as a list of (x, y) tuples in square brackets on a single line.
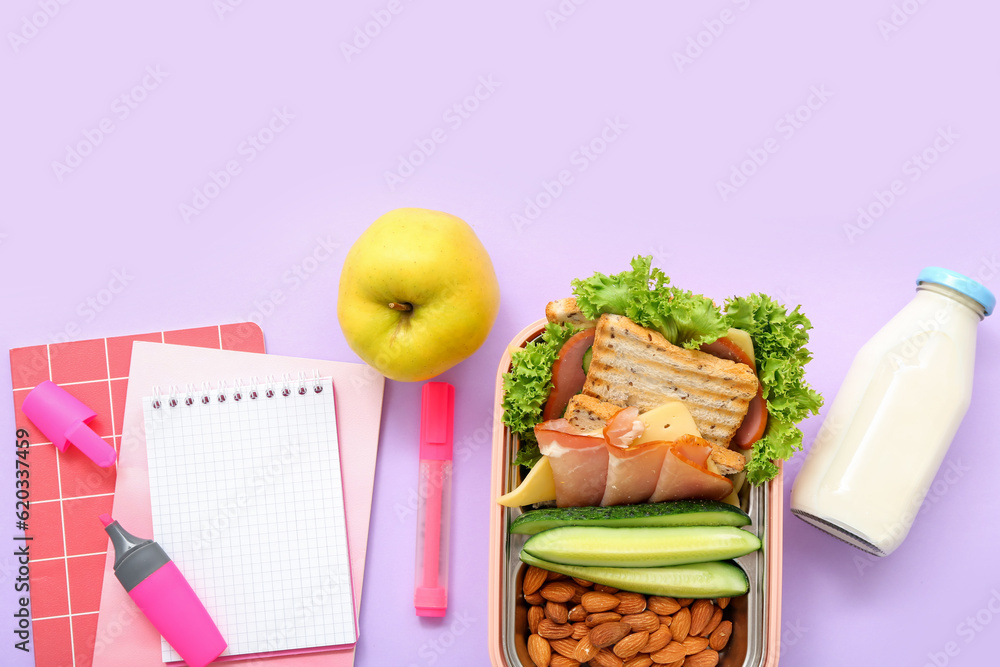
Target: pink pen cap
[(62, 418), (159, 589), (437, 417)]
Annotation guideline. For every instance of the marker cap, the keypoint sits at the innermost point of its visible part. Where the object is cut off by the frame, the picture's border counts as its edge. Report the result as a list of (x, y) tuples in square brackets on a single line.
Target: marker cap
[(437, 421), (62, 418)]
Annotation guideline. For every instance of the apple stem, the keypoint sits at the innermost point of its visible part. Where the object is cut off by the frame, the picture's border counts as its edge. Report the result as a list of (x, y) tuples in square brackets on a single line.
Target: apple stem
[(401, 306)]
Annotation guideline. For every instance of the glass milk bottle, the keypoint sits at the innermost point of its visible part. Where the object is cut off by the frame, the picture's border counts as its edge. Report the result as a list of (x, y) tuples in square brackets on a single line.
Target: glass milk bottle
[(894, 417)]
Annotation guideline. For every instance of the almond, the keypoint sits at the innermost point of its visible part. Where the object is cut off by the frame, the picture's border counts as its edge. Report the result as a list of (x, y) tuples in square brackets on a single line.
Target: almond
[(684, 601), (534, 599), (630, 645), (565, 647), (672, 652), (580, 630), (585, 650), (595, 602), (707, 658), (646, 621), (712, 624), (535, 616), (603, 617), (601, 588), (563, 661), (533, 579), (578, 595), (550, 630), (577, 613), (607, 634), (720, 636), (662, 606), (639, 661), (556, 612), (694, 645), (681, 625), (666, 620), (678, 663), (606, 658), (658, 639), (701, 614), (583, 582), (558, 591), (630, 603), (539, 651), (554, 576), (723, 602)]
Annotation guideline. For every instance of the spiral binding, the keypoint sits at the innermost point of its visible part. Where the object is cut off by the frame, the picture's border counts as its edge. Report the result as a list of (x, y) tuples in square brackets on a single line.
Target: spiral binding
[(252, 390)]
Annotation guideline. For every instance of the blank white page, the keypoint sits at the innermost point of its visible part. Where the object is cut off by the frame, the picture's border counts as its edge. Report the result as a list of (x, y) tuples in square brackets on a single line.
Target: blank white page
[(248, 502)]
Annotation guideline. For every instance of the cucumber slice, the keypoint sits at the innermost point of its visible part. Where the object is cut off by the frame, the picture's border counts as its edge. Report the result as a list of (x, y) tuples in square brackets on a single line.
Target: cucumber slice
[(640, 547), (717, 579), (673, 513)]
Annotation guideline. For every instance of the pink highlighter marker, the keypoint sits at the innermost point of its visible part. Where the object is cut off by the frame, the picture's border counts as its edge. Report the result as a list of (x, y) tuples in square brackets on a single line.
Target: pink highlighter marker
[(434, 492), (164, 596)]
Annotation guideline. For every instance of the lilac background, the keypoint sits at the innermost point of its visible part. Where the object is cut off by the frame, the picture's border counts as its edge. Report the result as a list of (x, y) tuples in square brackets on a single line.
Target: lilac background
[(653, 190)]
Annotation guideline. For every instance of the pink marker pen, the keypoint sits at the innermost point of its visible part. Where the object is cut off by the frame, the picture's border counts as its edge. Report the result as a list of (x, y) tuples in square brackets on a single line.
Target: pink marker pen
[(164, 596), (434, 491)]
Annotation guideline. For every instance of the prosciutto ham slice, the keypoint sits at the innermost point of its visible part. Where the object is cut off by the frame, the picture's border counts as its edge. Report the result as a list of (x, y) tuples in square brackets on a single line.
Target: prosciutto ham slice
[(633, 473), (685, 475), (579, 462)]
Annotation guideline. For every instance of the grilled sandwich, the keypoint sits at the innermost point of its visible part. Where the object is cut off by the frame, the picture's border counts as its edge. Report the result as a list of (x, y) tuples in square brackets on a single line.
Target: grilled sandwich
[(632, 365)]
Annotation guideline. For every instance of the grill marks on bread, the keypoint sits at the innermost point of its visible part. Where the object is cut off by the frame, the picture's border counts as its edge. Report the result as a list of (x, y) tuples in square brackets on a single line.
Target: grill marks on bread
[(632, 365)]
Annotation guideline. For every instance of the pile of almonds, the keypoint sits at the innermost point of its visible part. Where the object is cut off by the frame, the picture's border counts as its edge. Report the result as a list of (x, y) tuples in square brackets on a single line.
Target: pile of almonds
[(574, 622)]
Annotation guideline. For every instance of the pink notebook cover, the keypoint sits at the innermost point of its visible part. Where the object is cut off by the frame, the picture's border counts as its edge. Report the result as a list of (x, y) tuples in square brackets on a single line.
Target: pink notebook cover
[(67, 561), (124, 637)]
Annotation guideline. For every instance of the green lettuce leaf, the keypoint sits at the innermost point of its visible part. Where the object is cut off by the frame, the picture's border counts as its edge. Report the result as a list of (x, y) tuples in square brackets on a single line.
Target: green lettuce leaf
[(779, 340), (645, 296), (527, 385)]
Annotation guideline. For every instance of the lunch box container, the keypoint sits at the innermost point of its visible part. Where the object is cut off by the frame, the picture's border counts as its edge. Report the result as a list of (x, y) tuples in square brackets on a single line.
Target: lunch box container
[(756, 617)]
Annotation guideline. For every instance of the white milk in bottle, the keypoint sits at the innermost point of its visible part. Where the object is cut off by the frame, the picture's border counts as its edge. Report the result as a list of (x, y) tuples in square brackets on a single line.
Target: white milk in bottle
[(894, 417)]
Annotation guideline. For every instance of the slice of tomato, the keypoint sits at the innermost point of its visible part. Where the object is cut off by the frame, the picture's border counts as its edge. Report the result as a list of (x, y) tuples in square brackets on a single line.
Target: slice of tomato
[(567, 373), (752, 428), (727, 349)]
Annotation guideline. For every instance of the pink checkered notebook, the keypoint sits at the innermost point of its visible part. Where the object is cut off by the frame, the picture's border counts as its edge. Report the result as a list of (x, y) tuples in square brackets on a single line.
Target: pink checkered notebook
[(67, 490)]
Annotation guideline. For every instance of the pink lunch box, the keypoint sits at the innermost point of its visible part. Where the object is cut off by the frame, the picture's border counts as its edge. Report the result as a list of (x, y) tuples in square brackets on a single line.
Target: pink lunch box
[(756, 616)]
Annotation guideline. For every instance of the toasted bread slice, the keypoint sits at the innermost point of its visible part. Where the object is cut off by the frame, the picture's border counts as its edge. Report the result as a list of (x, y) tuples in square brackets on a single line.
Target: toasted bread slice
[(565, 311), (590, 414), (728, 461), (632, 365)]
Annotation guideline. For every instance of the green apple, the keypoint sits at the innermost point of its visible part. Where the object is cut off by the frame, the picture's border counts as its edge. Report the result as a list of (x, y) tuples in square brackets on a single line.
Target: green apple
[(418, 294)]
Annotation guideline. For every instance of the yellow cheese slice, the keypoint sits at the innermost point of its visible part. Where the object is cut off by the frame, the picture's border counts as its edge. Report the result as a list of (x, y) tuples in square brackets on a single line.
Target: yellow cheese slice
[(732, 499), (742, 340), (737, 479), (539, 486), (667, 422)]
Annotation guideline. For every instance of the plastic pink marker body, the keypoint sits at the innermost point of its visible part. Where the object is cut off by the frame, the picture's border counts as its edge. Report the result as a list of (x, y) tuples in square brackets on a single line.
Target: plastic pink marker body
[(434, 492), (63, 419), (164, 596)]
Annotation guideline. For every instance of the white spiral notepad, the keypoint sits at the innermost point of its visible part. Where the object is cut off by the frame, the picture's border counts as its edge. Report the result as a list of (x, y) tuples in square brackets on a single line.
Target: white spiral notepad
[(247, 500)]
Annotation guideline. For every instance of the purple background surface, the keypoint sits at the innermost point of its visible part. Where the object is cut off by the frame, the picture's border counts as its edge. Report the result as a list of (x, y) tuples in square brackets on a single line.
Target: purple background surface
[(889, 84)]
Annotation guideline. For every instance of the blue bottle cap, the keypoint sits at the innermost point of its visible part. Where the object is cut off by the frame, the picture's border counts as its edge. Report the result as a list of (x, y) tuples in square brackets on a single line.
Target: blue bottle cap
[(960, 283)]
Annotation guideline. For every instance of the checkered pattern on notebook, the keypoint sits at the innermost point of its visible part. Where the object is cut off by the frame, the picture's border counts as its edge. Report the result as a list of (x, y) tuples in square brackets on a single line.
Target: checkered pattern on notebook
[(68, 492), (247, 499)]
